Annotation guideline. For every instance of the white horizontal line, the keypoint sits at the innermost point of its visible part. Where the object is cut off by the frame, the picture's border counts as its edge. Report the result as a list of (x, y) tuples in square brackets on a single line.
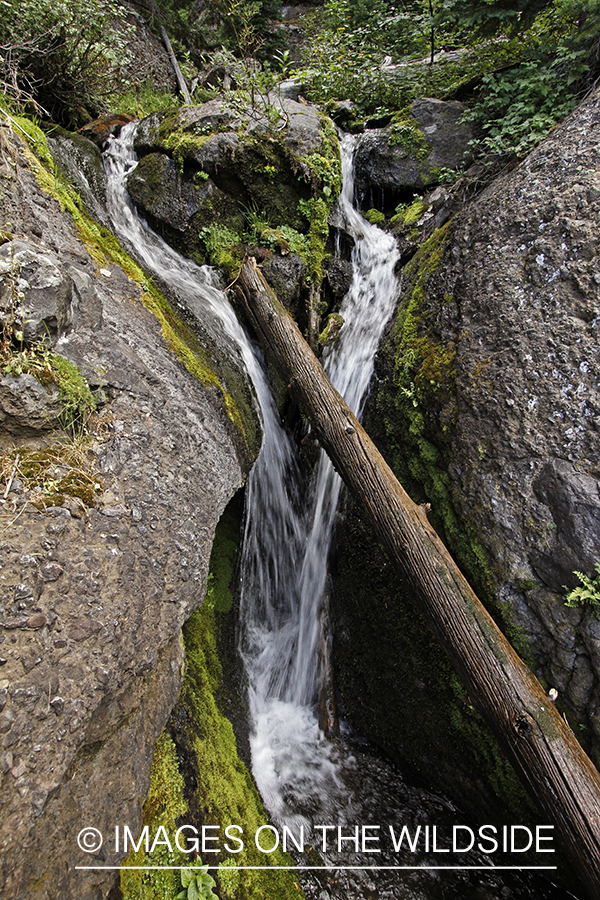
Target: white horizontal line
[(328, 868)]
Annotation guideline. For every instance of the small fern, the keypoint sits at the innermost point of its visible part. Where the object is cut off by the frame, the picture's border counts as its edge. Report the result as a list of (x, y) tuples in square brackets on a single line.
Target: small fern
[(588, 592)]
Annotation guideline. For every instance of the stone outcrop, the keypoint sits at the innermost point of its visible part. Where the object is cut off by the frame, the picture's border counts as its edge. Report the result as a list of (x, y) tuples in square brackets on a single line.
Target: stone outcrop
[(93, 594), (407, 156), (487, 400), (210, 164)]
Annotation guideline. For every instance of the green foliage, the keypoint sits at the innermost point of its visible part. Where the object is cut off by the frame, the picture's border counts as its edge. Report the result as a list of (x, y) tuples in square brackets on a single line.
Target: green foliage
[(587, 593), (516, 108), (283, 238), (140, 101), (197, 884), (543, 55), (221, 246), (488, 17), (64, 55), (240, 26)]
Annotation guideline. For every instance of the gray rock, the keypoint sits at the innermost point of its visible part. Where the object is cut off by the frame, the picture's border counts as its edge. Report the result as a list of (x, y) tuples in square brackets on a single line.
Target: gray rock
[(162, 195), (339, 276), (236, 150), (93, 657), (285, 274), (45, 308), (26, 407), (391, 167), (512, 300), (574, 503)]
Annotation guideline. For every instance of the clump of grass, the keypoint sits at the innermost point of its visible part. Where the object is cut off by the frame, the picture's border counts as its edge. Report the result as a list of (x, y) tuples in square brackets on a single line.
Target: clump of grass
[(52, 475)]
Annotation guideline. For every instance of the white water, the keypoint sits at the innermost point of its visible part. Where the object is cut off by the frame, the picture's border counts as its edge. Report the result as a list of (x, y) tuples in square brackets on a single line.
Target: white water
[(283, 582)]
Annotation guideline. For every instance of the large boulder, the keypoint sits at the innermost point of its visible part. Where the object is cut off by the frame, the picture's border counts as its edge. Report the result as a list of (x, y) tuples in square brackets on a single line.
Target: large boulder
[(94, 592), (393, 162), (487, 403)]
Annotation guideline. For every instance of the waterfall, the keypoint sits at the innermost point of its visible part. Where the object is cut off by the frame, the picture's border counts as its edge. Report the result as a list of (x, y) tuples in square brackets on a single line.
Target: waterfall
[(303, 776), (283, 580), (287, 536)]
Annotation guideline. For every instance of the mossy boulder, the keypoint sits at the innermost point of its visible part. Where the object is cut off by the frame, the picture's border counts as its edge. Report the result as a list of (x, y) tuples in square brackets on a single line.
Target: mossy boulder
[(179, 207), (486, 402), (226, 163)]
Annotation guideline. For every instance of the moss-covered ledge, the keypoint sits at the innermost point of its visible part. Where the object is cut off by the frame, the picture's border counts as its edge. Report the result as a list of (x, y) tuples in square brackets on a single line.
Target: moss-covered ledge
[(198, 777)]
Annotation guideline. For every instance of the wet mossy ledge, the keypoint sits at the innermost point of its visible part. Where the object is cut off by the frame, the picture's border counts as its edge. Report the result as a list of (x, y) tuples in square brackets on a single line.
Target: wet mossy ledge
[(197, 776), (204, 363)]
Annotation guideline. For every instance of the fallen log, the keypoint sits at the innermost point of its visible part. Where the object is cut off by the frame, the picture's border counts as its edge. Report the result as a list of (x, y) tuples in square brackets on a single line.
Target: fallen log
[(544, 750)]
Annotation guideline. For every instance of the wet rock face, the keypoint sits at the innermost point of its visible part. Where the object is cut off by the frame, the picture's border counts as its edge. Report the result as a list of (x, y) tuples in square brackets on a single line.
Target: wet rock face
[(506, 312), (393, 162), (92, 598)]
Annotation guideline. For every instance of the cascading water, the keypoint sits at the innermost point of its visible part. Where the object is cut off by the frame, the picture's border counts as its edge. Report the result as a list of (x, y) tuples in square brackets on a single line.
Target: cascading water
[(282, 594), (303, 776)]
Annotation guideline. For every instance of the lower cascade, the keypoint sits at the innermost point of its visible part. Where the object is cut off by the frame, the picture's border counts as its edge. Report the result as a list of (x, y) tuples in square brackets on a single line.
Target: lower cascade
[(330, 792)]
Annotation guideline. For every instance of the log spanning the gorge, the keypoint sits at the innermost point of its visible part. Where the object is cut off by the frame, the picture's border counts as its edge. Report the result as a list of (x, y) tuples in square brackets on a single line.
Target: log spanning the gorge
[(543, 748)]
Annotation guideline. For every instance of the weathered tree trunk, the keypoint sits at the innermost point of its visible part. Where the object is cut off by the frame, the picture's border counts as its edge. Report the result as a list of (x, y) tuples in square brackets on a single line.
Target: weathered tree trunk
[(541, 745), (176, 67)]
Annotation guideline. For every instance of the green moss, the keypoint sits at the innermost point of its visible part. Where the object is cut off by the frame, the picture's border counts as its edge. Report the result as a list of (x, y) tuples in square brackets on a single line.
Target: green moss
[(222, 562), (164, 805), (405, 132), (374, 217), (219, 789), (408, 215), (223, 248), (224, 793), (45, 479), (331, 330)]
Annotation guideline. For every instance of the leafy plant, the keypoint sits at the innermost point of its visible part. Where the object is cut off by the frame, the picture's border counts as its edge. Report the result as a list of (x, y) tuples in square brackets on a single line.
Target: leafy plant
[(587, 593), (196, 884)]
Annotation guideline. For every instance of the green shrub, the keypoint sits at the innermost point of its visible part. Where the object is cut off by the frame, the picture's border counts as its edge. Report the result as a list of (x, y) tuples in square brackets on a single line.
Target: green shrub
[(64, 55)]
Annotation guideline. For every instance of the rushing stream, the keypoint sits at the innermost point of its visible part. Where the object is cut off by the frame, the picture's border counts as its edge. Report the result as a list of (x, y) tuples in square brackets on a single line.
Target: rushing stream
[(305, 777)]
